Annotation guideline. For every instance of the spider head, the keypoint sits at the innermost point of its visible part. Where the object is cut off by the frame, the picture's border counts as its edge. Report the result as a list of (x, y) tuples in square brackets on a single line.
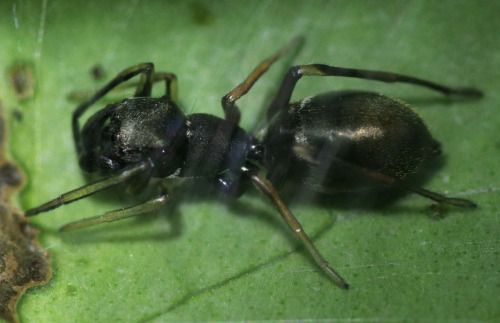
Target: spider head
[(135, 130)]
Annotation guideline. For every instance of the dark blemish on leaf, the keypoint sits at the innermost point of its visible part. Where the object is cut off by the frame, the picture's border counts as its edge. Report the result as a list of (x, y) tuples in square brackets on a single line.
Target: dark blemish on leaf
[(21, 77), (437, 211), (200, 14), (18, 114), (71, 290), (98, 72)]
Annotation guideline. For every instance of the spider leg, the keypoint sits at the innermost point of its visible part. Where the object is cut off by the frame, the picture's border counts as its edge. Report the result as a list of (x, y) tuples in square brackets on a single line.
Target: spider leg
[(90, 189), (169, 78), (115, 215), (268, 189), (402, 184), (171, 84), (282, 98), (231, 110)]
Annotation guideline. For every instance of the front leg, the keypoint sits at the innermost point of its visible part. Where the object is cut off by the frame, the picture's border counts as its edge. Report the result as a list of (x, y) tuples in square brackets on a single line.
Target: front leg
[(92, 188)]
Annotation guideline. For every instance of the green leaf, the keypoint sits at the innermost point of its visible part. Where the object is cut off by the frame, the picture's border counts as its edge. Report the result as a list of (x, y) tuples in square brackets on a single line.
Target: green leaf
[(207, 258)]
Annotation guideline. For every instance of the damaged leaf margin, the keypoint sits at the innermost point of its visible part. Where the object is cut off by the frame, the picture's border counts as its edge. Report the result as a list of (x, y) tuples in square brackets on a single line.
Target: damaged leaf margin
[(23, 262)]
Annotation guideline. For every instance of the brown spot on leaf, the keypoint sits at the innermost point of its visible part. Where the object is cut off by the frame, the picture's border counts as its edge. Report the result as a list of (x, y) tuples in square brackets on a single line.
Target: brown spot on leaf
[(22, 79)]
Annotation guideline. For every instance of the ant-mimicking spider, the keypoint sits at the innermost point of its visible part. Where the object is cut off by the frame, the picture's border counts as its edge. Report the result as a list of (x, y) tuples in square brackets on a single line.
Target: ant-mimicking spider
[(326, 142)]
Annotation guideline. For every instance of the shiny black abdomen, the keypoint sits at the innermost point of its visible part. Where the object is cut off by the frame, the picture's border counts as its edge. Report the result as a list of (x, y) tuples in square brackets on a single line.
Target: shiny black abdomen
[(311, 142)]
